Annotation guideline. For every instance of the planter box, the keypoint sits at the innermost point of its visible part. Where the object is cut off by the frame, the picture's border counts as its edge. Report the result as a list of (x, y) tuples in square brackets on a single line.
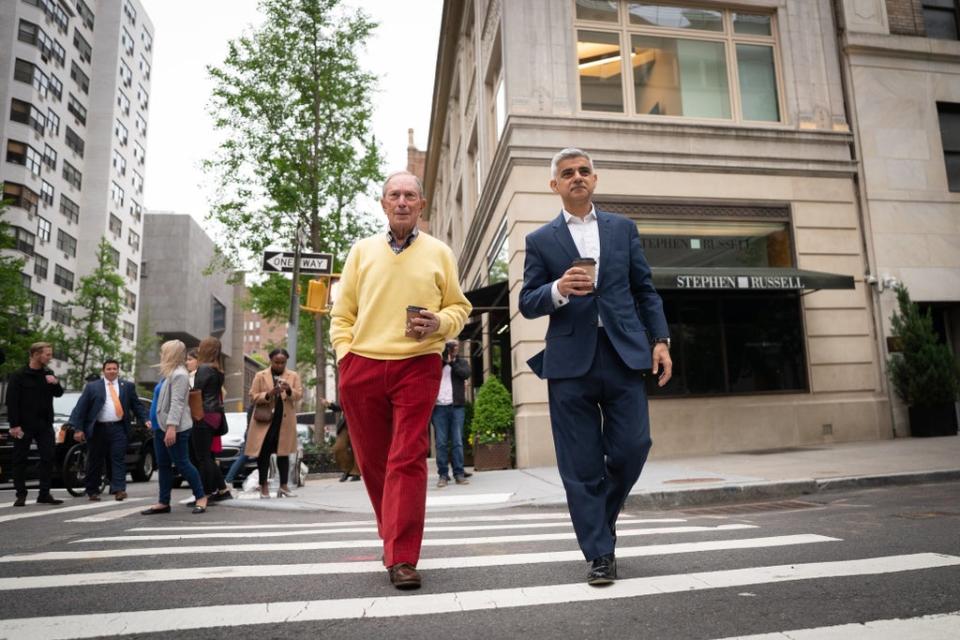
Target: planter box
[(487, 457), (935, 420)]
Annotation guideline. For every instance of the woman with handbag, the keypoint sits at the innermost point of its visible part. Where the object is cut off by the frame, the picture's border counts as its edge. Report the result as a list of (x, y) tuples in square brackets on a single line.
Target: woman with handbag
[(172, 427), (210, 422), (275, 393)]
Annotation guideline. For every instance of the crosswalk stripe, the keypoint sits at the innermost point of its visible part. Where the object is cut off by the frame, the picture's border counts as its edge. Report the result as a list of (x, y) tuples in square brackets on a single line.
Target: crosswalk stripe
[(467, 499), (308, 532), (205, 617), (942, 626), (116, 514), (55, 511), (341, 544), (359, 523), (338, 568)]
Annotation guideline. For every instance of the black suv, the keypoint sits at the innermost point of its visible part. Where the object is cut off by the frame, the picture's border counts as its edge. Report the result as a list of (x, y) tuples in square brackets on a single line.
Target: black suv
[(140, 458)]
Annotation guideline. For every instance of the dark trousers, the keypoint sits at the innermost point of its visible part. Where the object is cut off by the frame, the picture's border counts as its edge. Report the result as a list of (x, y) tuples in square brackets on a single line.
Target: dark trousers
[(201, 437), (269, 447), (21, 451), (601, 431), (109, 442)]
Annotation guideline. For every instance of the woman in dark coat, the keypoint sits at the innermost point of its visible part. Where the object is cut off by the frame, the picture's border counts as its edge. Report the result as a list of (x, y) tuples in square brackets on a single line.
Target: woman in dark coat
[(209, 381)]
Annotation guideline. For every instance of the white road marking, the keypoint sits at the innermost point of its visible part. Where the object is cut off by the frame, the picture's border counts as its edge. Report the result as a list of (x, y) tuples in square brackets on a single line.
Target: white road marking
[(58, 510), (109, 515), (338, 568), (467, 499), (206, 617), (309, 532), (941, 626), (339, 544)]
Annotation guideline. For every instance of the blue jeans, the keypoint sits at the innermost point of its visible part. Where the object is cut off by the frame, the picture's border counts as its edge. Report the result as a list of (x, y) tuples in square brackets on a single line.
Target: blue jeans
[(448, 429), (178, 455), (237, 464), (109, 442)]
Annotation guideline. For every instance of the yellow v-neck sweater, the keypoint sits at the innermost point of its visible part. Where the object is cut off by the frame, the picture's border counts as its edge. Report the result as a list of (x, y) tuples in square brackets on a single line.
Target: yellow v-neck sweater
[(370, 312)]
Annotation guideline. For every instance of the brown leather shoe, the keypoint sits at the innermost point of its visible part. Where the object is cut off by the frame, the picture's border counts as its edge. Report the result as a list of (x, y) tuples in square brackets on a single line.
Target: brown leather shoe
[(404, 576), (93, 497), (120, 496)]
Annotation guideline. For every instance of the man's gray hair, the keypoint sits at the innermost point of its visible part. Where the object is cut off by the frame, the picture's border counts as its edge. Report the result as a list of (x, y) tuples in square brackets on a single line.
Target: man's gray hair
[(565, 154), (402, 173)]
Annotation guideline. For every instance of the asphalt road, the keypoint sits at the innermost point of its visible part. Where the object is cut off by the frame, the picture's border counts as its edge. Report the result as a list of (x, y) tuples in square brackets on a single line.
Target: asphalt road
[(836, 559)]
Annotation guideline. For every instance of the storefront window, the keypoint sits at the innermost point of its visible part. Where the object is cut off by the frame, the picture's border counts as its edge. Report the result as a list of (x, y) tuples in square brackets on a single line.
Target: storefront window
[(694, 243), (498, 261)]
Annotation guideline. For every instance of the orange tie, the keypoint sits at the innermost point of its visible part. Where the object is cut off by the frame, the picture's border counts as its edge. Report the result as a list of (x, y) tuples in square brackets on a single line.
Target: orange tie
[(116, 401)]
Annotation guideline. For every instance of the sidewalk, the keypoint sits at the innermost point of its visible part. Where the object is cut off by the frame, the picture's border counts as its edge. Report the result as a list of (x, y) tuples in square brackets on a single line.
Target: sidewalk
[(724, 477)]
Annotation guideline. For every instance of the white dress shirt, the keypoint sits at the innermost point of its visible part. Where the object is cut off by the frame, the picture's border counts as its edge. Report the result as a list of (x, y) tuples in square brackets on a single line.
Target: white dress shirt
[(586, 237), (445, 395), (108, 413)]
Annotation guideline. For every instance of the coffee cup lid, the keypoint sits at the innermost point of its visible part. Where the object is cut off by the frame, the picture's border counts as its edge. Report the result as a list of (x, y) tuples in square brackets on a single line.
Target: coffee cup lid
[(585, 261), (415, 308)]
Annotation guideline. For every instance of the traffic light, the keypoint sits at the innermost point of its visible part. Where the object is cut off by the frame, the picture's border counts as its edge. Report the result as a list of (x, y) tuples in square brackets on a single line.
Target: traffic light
[(317, 293)]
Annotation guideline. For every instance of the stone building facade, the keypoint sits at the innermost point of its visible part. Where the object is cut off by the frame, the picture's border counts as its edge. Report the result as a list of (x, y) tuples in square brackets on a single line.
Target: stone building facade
[(723, 131)]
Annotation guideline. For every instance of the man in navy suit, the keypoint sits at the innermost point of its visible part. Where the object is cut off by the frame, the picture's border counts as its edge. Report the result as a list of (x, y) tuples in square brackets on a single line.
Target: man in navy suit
[(602, 336), (102, 418)]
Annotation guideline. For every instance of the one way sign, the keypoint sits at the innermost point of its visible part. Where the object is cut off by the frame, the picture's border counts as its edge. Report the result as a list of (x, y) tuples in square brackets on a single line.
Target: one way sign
[(311, 264)]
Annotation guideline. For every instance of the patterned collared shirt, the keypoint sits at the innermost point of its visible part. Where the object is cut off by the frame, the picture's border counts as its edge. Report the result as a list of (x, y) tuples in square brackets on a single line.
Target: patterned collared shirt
[(397, 248)]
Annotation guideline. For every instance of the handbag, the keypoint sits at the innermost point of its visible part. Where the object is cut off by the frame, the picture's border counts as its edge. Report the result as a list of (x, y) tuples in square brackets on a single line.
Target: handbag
[(196, 405), (263, 412)]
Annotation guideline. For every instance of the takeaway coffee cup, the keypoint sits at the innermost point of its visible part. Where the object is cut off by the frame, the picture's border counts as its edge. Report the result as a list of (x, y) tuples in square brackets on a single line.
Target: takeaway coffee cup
[(412, 312), (589, 265)]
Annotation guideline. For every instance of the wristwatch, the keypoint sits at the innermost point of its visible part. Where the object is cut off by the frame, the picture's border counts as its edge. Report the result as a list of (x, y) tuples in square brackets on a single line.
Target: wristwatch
[(665, 341)]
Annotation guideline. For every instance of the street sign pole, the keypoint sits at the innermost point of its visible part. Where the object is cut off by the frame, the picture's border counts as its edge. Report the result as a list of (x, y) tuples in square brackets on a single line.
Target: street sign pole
[(294, 305)]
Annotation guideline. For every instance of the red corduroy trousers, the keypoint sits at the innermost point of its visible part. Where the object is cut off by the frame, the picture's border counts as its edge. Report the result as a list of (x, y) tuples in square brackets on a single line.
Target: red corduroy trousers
[(387, 404)]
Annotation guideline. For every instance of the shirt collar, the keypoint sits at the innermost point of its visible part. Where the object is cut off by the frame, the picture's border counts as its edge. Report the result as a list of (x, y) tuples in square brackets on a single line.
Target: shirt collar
[(590, 217), (406, 243)]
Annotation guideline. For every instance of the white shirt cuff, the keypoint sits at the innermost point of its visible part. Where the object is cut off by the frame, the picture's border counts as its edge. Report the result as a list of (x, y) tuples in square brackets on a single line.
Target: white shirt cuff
[(558, 300)]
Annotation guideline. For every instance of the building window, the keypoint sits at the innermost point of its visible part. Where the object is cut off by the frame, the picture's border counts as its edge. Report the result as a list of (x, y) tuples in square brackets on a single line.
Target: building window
[(26, 113), (85, 14), (113, 256), (40, 266), (21, 196), (126, 41), (116, 194), (147, 40), (37, 304), (122, 133), (60, 312), (133, 239), (131, 15), (78, 110), (136, 211), (75, 142), (119, 163), (218, 321), (143, 97), (43, 229), (139, 153), (50, 157), (28, 73), (83, 47), (46, 193), (950, 136), (23, 240), (63, 278), (23, 154), (498, 260), (70, 209), (71, 175), (144, 67), (137, 181), (56, 87), (78, 76), (941, 18), (123, 102), (126, 76), (115, 225), (66, 243), (131, 300), (127, 330), (49, 48), (132, 270), (681, 61), (141, 125), (53, 11), (53, 122)]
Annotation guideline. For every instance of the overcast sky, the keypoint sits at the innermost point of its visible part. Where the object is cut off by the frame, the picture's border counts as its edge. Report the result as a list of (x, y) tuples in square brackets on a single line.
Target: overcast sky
[(191, 34)]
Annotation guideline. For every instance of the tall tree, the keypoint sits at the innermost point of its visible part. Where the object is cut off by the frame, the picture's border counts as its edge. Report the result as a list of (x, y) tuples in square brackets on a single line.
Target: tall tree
[(18, 327), (295, 109), (96, 308)]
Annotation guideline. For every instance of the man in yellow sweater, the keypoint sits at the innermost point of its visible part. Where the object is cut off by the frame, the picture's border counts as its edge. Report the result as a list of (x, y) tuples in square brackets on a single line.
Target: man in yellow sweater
[(390, 365)]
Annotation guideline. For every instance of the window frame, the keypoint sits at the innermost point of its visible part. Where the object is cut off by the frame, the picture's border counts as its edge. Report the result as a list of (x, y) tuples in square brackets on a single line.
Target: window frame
[(727, 37)]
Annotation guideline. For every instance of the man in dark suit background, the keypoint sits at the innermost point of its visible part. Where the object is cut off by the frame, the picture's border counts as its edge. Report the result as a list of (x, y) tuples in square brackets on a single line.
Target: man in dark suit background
[(603, 333), (102, 418)]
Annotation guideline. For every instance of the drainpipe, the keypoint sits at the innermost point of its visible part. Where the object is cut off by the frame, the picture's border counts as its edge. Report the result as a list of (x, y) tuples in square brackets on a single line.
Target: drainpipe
[(860, 195)]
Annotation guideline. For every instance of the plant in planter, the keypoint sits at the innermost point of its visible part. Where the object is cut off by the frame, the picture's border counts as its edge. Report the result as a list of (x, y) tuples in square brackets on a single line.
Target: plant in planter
[(924, 374), (492, 426)]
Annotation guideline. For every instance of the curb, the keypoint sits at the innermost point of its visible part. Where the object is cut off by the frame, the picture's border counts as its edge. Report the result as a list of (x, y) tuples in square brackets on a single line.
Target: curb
[(756, 492)]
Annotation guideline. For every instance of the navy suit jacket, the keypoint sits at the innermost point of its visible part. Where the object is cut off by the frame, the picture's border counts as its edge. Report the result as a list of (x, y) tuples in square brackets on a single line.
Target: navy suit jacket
[(84, 415), (625, 299)]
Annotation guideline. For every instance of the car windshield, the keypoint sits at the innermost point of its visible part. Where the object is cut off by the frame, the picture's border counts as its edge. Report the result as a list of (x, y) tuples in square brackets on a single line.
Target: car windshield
[(63, 405)]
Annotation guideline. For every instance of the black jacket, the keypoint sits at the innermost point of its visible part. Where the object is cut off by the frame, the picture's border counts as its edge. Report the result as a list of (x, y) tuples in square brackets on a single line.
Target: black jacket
[(459, 373), (210, 382), (30, 399)]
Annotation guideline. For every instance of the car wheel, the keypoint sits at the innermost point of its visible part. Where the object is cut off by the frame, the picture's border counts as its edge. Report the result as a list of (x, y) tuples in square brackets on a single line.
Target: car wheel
[(145, 466), (74, 469)]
